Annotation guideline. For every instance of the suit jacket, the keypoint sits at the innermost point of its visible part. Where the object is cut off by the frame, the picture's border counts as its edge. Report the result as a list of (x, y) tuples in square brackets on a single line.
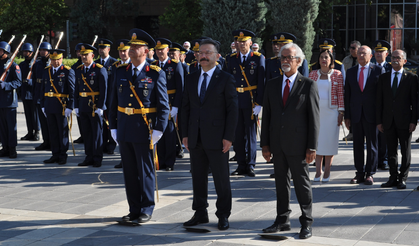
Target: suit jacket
[(403, 107), (174, 81), (357, 102), (216, 118), (273, 68), (292, 128)]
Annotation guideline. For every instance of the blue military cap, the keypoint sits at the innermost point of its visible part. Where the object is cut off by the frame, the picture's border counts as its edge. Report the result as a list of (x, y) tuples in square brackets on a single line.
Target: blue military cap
[(177, 47), (381, 45), (86, 49), (327, 43), (45, 46), (162, 43), (78, 46), (244, 35), (102, 43), (123, 44), (27, 47), (195, 44), (283, 37), (56, 54), (140, 37)]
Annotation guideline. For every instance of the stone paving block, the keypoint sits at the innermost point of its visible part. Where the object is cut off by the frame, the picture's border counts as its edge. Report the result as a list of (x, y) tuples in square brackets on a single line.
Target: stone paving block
[(408, 237)]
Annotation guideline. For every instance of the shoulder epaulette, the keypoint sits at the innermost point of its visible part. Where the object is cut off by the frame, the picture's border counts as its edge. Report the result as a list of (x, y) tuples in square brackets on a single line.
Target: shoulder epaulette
[(274, 58), (154, 62), (188, 64), (234, 54), (257, 53), (81, 65), (312, 64), (123, 65), (47, 67), (173, 60), (216, 63), (389, 63), (99, 65), (115, 63), (192, 63), (154, 67), (67, 67), (338, 62)]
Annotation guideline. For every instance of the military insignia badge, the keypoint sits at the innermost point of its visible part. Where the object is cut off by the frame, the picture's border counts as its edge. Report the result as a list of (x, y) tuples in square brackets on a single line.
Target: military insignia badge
[(146, 80), (92, 81), (234, 71), (120, 89), (62, 75), (60, 83), (92, 74), (145, 92)]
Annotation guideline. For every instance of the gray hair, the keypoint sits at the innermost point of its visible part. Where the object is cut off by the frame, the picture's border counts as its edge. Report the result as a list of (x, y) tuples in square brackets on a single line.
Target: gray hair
[(356, 42), (403, 52), (298, 52)]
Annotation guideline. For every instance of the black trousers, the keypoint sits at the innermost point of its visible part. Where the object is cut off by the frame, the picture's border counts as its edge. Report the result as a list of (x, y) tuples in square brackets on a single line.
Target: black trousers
[(394, 136), (108, 142), (31, 116), (201, 160), (8, 127), (58, 133), (92, 127), (166, 146), (285, 166), (44, 124)]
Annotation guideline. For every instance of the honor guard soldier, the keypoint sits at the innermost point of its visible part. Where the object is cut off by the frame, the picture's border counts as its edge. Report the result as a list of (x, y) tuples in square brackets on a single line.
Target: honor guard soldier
[(123, 50), (328, 44), (382, 48), (89, 101), (38, 71), (248, 69), (174, 80), (57, 102), (74, 67), (26, 91), (106, 61), (273, 65), (138, 117), (8, 103)]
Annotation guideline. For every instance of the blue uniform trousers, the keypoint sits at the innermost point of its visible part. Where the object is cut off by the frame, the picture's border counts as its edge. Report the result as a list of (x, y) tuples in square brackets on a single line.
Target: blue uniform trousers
[(245, 140), (31, 116), (139, 177), (58, 133), (44, 124), (166, 146), (92, 128), (108, 142), (8, 127)]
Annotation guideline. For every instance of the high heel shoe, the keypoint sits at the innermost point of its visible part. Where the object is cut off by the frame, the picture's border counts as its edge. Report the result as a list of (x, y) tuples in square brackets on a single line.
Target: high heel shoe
[(326, 179), (316, 179)]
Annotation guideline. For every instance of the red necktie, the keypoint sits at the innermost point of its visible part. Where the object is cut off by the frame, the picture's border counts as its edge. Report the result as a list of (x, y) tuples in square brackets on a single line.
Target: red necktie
[(361, 79), (286, 92)]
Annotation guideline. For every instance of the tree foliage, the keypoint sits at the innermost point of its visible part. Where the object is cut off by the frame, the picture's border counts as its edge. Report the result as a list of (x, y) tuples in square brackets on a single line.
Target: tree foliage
[(296, 17), (97, 17), (32, 17), (182, 16), (221, 17)]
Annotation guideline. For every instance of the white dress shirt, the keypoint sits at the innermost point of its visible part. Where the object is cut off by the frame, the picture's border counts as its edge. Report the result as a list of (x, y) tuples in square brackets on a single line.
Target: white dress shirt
[(201, 78), (104, 60), (246, 55), (139, 68), (164, 62), (366, 68), (399, 76), (292, 80)]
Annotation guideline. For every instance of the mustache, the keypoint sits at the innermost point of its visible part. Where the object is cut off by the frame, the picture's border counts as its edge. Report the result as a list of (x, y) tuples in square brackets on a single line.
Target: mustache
[(286, 64), (396, 62), (204, 59)]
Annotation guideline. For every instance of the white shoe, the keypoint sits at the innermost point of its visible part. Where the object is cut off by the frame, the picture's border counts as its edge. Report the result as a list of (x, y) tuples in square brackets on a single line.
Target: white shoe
[(316, 179), (326, 179)]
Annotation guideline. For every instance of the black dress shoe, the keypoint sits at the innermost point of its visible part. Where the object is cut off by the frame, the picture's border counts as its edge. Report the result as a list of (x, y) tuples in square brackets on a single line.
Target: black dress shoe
[(35, 137), (272, 175), (390, 183), (357, 180), (27, 137), (62, 161), (180, 155), (251, 173), (43, 146), (4, 152), (79, 140), (196, 220), (85, 163), (169, 168), (305, 232), (97, 164), (277, 227), (118, 165), (144, 218), (238, 172), (383, 166), (12, 153), (130, 217), (109, 152), (401, 185), (232, 158), (53, 159), (223, 224)]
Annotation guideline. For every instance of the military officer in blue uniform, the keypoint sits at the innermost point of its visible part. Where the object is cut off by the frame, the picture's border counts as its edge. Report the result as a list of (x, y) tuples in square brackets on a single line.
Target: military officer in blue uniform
[(89, 104), (57, 102), (38, 71), (8, 103), (194, 64), (175, 52), (273, 65), (250, 88), (138, 117), (77, 49), (174, 79), (26, 90), (104, 47), (328, 44)]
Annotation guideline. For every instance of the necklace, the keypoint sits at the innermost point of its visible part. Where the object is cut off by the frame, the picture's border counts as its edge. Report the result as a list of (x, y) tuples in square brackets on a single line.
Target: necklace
[(325, 73)]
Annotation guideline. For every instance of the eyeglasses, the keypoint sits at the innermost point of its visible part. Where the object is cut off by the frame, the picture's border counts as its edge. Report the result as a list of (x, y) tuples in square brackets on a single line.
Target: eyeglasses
[(207, 53), (396, 58), (352, 48), (288, 57)]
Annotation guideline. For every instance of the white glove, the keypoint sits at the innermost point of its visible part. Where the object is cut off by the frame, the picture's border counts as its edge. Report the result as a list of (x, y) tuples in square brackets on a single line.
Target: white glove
[(2, 84), (256, 109), (77, 112), (99, 112), (67, 112), (173, 112), (114, 135), (156, 136), (43, 111)]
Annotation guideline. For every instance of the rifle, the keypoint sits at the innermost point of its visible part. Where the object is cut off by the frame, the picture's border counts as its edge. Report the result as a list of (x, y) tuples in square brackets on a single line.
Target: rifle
[(34, 59), (94, 41), (11, 39), (9, 63), (1, 31), (59, 40)]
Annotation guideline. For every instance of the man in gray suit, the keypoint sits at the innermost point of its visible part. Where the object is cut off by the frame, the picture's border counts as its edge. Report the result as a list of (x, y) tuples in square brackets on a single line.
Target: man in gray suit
[(290, 129)]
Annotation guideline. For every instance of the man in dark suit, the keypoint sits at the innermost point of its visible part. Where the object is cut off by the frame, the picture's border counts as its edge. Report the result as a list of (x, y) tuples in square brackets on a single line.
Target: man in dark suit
[(360, 99), (209, 119), (397, 115), (290, 129)]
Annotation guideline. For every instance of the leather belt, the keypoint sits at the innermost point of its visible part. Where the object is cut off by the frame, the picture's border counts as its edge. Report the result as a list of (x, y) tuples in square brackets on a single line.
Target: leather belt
[(86, 94), (130, 111), (169, 92), (52, 94), (243, 89)]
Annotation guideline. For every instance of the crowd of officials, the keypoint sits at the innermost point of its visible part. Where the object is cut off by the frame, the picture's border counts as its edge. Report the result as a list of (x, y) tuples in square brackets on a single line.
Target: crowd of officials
[(160, 96)]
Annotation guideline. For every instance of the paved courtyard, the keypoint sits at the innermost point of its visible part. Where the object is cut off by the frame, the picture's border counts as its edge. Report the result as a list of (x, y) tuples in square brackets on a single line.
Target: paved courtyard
[(49, 204)]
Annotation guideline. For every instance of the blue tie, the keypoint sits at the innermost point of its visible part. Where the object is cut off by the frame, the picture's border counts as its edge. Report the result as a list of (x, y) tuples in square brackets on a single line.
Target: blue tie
[(203, 88)]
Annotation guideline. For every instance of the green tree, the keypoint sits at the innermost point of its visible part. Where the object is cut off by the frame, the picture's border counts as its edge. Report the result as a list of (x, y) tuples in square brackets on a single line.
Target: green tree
[(221, 17), (296, 17), (34, 18), (97, 17), (182, 16)]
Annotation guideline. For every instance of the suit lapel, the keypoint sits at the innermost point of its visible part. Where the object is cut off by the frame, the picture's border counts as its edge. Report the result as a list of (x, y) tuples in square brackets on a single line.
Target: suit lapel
[(195, 84), (281, 80), (401, 84), (297, 83)]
